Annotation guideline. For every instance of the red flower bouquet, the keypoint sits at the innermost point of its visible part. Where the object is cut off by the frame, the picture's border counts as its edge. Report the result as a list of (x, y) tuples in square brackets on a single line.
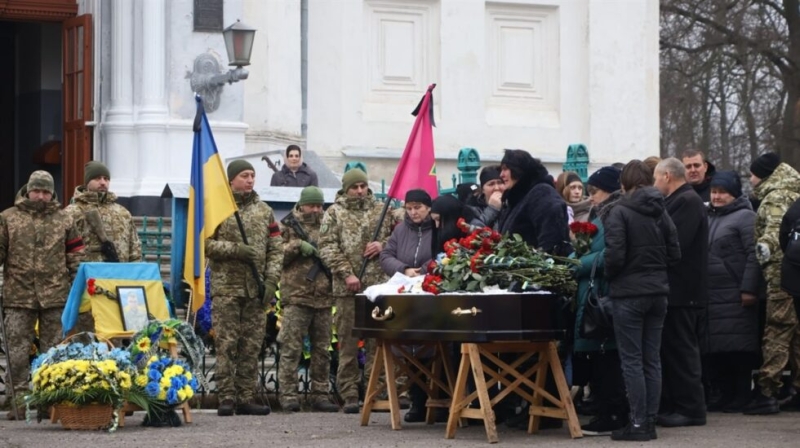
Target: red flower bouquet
[(583, 233), (484, 257)]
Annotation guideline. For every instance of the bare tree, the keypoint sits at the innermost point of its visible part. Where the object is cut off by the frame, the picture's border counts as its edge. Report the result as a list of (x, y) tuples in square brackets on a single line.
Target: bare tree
[(730, 81)]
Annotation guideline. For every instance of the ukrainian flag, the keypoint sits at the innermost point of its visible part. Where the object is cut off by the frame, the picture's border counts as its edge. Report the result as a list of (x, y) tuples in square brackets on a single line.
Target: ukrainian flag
[(210, 203)]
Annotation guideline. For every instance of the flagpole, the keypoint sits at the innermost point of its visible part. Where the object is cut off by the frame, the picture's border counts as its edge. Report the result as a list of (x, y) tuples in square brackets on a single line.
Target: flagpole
[(375, 235)]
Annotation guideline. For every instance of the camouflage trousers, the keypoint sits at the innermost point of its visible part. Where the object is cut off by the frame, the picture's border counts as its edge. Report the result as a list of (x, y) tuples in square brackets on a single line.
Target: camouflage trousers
[(781, 342), (299, 320), (20, 326), (239, 324), (348, 377)]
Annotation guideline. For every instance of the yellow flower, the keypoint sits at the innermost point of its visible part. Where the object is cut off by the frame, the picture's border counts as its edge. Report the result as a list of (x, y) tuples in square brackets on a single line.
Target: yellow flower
[(445, 261), (143, 344), (162, 395), (141, 380), (181, 395)]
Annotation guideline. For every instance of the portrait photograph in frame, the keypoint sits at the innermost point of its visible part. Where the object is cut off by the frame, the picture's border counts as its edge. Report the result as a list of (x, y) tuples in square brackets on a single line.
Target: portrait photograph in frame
[(133, 307)]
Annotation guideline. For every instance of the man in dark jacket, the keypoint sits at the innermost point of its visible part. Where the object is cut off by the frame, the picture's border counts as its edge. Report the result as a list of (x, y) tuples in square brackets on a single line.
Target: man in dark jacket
[(294, 173), (531, 206), (683, 402), (699, 172)]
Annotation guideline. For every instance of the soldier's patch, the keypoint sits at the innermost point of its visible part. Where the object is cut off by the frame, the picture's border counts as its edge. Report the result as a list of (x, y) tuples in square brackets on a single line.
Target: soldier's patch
[(323, 229), (274, 230)]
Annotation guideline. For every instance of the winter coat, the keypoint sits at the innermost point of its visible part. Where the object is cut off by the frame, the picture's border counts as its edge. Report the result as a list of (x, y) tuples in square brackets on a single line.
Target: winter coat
[(732, 270), (304, 177), (234, 277), (641, 243), (296, 289), (40, 251), (538, 214), (583, 277), (347, 227), (484, 214), (688, 280), (409, 246), (790, 246), (117, 223)]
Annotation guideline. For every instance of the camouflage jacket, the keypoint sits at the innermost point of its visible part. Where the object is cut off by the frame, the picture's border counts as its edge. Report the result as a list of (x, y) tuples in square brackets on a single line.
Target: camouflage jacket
[(231, 276), (776, 193), (295, 288), (117, 222), (347, 226), (40, 250)]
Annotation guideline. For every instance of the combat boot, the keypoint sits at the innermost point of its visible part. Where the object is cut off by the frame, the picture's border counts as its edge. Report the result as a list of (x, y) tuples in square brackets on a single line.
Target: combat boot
[(225, 408), (290, 405), (350, 406), (252, 409), (323, 404)]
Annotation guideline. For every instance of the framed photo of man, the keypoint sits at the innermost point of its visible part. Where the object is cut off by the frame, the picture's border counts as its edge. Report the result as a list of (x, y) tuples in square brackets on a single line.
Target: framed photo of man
[(133, 307)]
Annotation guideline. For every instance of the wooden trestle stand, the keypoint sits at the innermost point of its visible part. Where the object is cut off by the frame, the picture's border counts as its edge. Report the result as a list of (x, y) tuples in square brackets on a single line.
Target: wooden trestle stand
[(548, 360), (391, 355)]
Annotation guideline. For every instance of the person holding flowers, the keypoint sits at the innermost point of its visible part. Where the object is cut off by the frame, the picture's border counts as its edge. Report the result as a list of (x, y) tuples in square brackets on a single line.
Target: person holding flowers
[(603, 367)]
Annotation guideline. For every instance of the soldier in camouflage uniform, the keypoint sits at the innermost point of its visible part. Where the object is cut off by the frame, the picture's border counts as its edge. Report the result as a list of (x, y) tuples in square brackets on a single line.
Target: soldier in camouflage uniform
[(345, 241), (100, 220), (306, 301), (40, 250), (237, 310), (777, 186)]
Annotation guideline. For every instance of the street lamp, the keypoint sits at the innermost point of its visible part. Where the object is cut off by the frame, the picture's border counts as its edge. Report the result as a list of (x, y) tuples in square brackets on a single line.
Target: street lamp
[(208, 77)]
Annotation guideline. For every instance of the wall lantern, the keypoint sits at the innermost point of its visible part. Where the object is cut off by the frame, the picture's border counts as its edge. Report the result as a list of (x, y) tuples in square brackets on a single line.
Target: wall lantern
[(208, 77)]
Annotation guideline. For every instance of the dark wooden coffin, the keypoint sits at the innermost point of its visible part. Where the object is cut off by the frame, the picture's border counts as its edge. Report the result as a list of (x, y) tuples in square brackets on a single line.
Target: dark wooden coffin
[(450, 317)]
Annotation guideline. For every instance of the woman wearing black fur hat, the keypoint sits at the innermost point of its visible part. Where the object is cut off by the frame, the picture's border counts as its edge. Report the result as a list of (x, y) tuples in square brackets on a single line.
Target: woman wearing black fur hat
[(490, 200), (532, 207)]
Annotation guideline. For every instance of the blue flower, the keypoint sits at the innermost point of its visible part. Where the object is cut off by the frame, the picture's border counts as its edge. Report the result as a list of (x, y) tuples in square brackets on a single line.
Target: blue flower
[(172, 396), (152, 389), (154, 374), (176, 382), (193, 383)]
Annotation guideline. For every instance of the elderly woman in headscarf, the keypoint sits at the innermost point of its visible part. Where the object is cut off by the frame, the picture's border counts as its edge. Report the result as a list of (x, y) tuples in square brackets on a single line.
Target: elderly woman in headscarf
[(409, 246), (532, 207)]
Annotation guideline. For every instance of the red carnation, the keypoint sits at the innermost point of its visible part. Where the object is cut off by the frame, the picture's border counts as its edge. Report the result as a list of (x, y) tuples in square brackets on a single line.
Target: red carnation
[(90, 288)]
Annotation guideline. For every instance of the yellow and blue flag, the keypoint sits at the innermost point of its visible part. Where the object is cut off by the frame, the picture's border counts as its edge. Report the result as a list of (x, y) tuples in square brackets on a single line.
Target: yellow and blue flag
[(210, 203)]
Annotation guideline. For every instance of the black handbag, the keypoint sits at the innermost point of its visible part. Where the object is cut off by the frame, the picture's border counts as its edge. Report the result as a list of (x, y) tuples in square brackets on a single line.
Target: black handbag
[(597, 312)]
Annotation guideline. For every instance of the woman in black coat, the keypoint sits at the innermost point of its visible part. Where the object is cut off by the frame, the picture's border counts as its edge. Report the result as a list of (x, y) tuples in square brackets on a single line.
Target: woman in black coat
[(531, 206), (733, 276), (641, 242)]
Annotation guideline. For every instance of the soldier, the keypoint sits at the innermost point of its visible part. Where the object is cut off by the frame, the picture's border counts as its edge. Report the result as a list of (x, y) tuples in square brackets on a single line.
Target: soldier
[(345, 241), (238, 307), (106, 227), (40, 250), (306, 301), (777, 186)]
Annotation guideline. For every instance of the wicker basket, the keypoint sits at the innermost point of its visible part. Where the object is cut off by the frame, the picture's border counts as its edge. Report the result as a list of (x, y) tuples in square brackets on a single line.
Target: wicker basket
[(86, 417)]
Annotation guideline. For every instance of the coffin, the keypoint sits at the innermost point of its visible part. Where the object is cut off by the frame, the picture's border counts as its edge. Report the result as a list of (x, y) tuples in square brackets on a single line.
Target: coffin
[(460, 317)]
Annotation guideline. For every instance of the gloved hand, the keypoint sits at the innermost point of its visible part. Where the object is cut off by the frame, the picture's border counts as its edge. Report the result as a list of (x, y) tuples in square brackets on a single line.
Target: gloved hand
[(246, 253), (762, 253), (307, 249), (269, 291)]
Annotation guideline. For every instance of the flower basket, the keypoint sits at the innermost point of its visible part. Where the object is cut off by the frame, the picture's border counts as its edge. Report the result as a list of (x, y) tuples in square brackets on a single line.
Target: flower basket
[(89, 417)]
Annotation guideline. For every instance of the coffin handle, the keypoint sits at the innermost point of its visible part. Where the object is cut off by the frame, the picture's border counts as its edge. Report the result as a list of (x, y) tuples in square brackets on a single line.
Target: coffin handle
[(459, 312), (376, 314)]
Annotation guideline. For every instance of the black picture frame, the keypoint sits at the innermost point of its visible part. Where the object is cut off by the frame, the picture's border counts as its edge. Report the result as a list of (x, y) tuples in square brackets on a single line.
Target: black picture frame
[(131, 312)]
